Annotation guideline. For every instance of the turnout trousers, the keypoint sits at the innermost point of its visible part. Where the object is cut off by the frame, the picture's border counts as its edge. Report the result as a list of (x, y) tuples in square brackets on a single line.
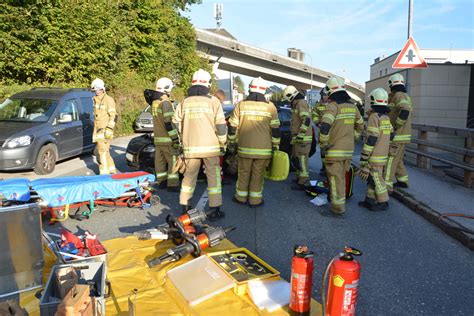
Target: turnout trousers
[(376, 188), (300, 151), (250, 180), (106, 163), (164, 162), (396, 168), (336, 172), (213, 173)]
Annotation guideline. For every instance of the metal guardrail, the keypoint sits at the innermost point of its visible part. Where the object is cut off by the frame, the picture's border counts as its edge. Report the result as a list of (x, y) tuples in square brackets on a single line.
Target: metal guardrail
[(423, 156)]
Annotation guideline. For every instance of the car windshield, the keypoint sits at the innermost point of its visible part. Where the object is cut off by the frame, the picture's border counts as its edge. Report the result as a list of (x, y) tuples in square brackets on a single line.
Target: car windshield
[(26, 110)]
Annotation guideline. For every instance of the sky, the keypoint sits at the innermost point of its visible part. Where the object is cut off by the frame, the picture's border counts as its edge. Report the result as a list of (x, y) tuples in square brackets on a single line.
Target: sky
[(342, 36)]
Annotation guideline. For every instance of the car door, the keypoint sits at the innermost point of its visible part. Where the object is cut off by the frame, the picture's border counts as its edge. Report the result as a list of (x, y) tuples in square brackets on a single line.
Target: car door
[(284, 115), (69, 131), (87, 118)]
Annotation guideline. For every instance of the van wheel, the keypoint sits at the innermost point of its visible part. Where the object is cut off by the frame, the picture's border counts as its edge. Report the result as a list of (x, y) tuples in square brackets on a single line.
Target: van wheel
[(46, 160)]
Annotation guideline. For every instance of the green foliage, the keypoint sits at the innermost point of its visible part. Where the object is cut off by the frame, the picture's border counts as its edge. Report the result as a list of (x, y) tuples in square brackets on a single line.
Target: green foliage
[(128, 43), (240, 84)]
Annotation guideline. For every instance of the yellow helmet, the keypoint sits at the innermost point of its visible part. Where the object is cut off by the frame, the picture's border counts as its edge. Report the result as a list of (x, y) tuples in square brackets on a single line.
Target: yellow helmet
[(378, 97), (290, 93), (396, 79), (335, 84)]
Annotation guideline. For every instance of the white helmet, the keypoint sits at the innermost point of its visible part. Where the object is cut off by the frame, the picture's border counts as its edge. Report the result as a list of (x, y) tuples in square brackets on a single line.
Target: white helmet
[(97, 84), (258, 85), (164, 85), (290, 93), (335, 84), (396, 79), (378, 97), (201, 77)]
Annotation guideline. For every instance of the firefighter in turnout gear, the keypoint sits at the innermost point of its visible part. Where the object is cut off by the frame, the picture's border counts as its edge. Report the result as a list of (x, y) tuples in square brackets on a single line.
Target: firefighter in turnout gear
[(254, 130), (400, 106), (340, 126), (375, 152), (165, 136), (104, 124), (301, 132), (201, 123), (317, 115)]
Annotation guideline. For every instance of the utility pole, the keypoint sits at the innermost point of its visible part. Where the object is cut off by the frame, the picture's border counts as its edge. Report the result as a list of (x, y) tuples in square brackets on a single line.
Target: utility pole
[(410, 17)]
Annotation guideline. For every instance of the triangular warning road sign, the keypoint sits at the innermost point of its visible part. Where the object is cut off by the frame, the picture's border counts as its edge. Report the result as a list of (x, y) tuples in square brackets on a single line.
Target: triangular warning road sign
[(410, 57)]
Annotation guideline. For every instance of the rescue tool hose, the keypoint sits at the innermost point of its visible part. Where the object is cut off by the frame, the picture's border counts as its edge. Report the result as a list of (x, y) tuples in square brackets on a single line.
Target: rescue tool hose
[(459, 226), (323, 285)]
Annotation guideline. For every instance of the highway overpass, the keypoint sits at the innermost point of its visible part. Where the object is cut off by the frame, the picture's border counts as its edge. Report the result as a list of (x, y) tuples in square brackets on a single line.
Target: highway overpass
[(252, 61)]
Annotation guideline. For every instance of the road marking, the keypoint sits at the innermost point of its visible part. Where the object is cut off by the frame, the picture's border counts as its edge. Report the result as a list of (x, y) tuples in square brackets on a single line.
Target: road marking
[(202, 201)]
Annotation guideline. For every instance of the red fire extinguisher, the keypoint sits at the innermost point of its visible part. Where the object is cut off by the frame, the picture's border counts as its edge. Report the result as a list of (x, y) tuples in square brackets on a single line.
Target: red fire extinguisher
[(302, 265), (344, 274)]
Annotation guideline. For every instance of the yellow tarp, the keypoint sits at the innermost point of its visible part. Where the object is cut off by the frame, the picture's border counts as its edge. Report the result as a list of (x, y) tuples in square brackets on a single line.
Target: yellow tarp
[(127, 271)]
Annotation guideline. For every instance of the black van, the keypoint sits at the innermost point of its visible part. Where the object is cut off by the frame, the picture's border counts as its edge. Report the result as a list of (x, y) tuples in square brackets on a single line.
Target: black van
[(41, 126)]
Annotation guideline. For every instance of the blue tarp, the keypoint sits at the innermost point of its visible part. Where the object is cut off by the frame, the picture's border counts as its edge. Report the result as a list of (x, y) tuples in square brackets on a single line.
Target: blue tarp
[(68, 190), (15, 189)]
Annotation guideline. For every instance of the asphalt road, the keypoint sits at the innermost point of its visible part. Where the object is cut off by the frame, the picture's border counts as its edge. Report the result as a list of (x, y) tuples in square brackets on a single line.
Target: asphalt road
[(409, 267)]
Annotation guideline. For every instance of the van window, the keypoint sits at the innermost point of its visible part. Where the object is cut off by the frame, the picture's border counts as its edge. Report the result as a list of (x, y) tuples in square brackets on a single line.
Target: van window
[(70, 107), (27, 110), (87, 108)]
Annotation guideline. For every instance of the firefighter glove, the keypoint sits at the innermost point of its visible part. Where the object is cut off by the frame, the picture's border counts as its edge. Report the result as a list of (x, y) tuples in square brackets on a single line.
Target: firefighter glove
[(109, 133), (393, 149), (364, 172), (232, 148), (222, 148), (177, 149)]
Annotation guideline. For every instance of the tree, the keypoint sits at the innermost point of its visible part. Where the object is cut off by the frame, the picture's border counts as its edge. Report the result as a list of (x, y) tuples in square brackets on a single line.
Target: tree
[(240, 84)]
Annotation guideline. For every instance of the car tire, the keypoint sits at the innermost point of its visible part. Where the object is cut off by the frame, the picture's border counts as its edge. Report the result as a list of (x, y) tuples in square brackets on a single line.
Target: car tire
[(46, 160)]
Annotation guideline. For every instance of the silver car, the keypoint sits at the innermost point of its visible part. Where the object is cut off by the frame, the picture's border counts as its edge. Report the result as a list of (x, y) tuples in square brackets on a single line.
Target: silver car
[(144, 121)]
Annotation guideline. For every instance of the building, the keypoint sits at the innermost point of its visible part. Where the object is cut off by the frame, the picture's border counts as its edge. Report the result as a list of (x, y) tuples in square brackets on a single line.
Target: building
[(442, 94)]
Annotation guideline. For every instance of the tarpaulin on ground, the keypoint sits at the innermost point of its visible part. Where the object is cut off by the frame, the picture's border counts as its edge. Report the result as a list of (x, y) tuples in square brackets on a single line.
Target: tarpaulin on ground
[(68, 190), (127, 270), (15, 189)]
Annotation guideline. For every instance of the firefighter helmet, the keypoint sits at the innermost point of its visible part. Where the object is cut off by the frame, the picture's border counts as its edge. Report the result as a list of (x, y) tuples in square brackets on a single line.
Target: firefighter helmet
[(97, 84), (258, 85), (201, 77), (378, 97), (164, 85), (335, 84), (396, 79), (290, 93)]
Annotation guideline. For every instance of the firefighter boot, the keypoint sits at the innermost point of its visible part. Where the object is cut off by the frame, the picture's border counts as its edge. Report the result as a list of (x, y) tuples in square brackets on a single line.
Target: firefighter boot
[(185, 208), (257, 205), (368, 203), (215, 214), (400, 184), (379, 207)]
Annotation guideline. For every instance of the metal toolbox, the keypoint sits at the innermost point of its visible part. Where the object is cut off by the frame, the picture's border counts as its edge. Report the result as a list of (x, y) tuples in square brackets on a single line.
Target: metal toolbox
[(87, 272), (21, 249)]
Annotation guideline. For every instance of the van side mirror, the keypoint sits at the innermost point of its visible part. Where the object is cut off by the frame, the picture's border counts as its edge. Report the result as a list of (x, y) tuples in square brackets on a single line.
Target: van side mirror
[(65, 118)]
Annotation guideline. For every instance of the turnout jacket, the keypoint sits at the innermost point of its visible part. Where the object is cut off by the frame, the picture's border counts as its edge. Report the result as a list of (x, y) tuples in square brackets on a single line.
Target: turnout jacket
[(201, 124), (379, 130), (104, 115), (317, 112), (301, 121), (345, 125), (257, 128), (162, 111), (400, 116)]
